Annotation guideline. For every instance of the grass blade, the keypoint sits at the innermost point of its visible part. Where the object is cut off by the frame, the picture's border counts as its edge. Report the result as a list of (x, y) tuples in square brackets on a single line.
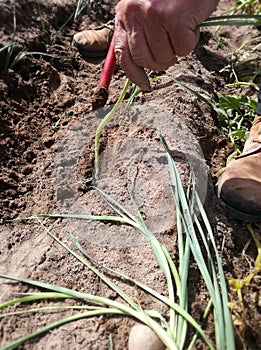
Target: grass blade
[(34, 297), (20, 341), (176, 307), (104, 122), (224, 294), (224, 328), (98, 273), (140, 315), (118, 219)]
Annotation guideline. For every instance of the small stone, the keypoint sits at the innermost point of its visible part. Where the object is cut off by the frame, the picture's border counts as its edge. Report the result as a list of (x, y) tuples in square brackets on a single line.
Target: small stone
[(143, 338), (27, 170)]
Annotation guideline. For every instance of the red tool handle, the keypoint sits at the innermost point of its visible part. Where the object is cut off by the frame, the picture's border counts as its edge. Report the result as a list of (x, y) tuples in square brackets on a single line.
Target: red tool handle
[(108, 67)]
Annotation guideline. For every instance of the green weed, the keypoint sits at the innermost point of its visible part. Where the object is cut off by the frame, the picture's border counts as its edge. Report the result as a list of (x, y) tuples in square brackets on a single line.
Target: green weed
[(235, 115), (246, 6), (57, 123), (244, 66)]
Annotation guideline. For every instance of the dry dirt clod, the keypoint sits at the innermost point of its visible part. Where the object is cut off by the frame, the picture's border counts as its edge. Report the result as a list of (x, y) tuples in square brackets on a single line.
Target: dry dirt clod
[(99, 98), (143, 338)]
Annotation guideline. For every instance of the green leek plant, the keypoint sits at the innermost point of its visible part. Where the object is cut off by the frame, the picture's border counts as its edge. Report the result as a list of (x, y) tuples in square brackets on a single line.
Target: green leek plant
[(49, 38), (23, 54), (232, 20), (7, 50), (82, 5), (195, 238), (171, 328), (10, 62)]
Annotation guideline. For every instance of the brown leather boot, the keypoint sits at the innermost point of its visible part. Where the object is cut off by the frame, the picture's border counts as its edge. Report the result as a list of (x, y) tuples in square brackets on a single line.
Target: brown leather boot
[(240, 185), (94, 42)]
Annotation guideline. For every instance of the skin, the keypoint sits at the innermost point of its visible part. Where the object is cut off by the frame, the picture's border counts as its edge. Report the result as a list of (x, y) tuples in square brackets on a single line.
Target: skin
[(153, 33)]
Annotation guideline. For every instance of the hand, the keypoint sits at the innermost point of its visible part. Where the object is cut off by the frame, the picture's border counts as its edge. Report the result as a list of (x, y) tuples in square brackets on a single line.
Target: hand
[(152, 33)]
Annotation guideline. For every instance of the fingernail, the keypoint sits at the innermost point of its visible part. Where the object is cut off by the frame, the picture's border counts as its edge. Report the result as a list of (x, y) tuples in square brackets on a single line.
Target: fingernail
[(118, 55)]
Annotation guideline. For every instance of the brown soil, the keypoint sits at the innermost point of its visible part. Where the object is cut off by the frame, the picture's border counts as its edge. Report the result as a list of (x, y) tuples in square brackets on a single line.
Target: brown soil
[(47, 134)]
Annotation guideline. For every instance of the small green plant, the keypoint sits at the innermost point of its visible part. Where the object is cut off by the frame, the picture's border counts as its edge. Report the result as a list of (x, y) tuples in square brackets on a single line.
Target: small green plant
[(57, 123), (6, 53), (7, 50), (10, 64), (244, 66), (232, 20), (81, 6), (11, 59), (246, 6), (235, 115), (50, 38)]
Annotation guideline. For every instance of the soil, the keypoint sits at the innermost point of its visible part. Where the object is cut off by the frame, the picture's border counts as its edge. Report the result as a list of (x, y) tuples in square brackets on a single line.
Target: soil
[(47, 161)]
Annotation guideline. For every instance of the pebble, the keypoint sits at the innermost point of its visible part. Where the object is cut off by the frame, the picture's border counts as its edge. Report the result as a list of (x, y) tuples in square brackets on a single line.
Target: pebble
[(143, 338)]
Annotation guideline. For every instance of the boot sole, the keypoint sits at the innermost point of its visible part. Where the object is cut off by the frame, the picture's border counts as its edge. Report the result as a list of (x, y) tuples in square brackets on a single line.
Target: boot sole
[(239, 214)]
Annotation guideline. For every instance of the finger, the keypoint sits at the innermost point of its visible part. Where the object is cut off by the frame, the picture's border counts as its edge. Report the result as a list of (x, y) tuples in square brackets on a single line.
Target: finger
[(184, 47), (151, 49), (159, 42), (149, 43), (185, 27), (135, 73)]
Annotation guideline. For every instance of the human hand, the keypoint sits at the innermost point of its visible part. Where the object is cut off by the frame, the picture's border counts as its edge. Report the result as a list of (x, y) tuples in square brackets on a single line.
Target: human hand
[(152, 33)]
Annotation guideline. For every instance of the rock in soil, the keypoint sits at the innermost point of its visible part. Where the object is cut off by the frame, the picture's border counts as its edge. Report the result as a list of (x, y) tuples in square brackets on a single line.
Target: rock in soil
[(143, 338)]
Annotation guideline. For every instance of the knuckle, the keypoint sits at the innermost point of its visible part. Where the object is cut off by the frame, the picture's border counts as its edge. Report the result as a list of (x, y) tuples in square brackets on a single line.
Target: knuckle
[(154, 10)]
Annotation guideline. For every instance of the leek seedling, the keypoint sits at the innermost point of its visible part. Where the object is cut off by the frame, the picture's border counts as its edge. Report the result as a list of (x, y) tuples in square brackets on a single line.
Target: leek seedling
[(172, 330), (49, 38), (82, 5)]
